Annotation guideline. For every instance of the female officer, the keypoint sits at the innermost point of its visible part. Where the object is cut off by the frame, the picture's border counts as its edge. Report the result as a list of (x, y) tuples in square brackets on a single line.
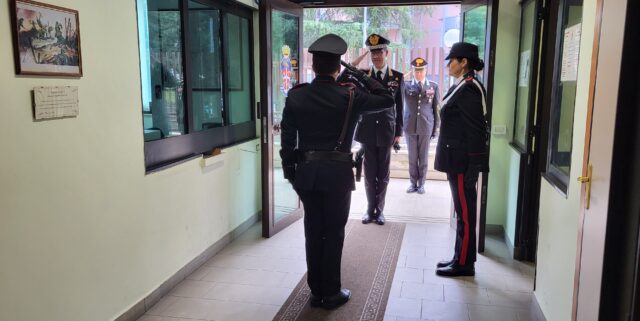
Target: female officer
[(462, 151)]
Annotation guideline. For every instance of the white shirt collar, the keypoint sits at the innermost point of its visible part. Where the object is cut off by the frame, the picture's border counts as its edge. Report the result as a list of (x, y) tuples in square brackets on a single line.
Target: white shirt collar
[(459, 79), (424, 82), (383, 69)]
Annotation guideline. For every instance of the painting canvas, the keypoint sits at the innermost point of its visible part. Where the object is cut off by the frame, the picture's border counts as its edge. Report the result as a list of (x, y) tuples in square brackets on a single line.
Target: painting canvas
[(47, 39)]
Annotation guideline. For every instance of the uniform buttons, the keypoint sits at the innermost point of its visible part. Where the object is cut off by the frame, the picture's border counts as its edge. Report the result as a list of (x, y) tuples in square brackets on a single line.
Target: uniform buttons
[(376, 121), (418, 107), (447, 145), (418, 113), (418, 101)]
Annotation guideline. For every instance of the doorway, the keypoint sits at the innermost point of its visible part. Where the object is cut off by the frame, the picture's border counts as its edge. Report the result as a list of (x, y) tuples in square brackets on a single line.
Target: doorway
[(475, 21)]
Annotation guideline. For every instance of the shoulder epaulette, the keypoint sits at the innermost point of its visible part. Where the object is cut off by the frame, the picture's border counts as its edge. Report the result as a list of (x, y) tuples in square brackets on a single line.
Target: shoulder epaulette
[(299, 86)]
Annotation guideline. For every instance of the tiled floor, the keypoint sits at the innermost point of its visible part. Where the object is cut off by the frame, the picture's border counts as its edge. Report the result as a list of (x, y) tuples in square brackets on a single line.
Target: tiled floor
[(501, 289), (251, 278)]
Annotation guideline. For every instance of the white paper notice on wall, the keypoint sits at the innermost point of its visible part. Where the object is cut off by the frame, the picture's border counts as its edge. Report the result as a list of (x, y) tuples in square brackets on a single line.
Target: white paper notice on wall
[(55, 102), (570, 53), (525, 63)]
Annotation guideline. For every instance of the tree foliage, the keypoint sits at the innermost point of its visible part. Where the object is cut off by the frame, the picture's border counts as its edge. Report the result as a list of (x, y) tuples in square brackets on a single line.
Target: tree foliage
[(350, 23)]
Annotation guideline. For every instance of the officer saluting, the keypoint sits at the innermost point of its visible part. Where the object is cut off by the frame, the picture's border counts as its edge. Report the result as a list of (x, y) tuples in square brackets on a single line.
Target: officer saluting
[(317, 129), (378, 132), (421, 121)]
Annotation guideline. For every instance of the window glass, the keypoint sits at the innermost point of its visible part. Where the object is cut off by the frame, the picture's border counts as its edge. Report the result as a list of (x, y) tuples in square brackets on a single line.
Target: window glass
[(239, 69), (475, 25), (162, 74), (524, 74), (196, 77), (206, 78), (563, 108)]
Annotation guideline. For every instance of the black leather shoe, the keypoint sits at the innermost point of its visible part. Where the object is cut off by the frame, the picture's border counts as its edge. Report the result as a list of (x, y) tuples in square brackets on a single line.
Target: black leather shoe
[(412, 189), (456, 270), (336, 300), (420, 189), (442, 264), (380, 219), (367, 218), (315, 301)]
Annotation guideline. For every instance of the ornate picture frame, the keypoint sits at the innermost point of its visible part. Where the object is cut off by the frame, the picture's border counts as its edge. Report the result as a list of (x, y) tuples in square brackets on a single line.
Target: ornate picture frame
[(46, 39)]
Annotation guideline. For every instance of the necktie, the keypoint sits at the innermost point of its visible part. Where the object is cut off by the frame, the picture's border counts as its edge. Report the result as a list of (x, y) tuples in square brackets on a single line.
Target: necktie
[(379, 75), (420, 86)]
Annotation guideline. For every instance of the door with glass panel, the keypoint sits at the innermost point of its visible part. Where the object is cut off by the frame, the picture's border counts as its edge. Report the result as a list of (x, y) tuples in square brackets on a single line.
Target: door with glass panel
[(478, 26), (525, 129), (280, 43)]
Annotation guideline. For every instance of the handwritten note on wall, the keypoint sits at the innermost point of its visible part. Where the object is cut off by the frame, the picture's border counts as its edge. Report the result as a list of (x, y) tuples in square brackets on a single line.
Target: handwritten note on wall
[(570, 53), (55, 102)]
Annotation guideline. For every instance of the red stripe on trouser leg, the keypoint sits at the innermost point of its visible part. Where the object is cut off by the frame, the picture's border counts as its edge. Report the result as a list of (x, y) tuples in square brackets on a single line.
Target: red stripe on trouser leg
[(465, 220)]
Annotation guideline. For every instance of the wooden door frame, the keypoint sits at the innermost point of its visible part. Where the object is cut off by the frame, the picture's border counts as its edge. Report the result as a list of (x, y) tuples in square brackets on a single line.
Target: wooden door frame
[(269, 226), (620, 293), (585, 158)]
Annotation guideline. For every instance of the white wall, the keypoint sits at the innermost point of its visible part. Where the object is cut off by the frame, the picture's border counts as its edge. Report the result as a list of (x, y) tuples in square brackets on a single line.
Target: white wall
[(84, 233), (558, 226)]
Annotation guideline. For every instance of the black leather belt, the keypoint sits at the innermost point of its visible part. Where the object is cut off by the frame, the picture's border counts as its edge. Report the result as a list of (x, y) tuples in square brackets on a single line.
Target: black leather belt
[(318, 155)]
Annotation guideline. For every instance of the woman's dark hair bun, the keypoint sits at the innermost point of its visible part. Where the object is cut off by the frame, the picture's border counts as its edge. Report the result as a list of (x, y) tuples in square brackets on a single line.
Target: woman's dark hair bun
[(478, 65)]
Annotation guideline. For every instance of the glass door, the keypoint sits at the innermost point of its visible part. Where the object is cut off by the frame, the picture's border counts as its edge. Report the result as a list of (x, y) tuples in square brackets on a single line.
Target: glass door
[(479, 26), (281, 37), (525, 129)]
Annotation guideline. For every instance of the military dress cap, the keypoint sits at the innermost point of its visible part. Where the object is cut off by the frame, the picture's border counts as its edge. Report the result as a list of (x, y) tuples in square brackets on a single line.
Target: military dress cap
[(376, 42), (419, 63), (463, 50), (330, 44)]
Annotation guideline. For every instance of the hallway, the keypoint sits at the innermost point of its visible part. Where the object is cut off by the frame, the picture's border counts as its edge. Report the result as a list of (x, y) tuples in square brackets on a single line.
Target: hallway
[(252, 277)]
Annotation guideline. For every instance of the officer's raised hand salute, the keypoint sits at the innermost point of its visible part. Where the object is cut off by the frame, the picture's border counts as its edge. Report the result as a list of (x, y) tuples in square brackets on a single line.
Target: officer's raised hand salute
[(317, 129), (378, 132)]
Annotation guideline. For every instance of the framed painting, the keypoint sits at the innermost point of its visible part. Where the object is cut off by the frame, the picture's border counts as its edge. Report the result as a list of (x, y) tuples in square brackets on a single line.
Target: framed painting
[(46, 39)]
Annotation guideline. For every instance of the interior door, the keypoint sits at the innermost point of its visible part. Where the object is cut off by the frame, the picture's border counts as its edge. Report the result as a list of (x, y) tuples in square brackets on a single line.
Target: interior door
[(281, 49), (598, 155), (525, 135), (479, 26)]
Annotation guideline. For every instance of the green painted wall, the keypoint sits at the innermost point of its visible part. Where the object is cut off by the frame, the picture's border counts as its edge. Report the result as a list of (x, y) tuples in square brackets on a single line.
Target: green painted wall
[(504, 160), (84, 232)]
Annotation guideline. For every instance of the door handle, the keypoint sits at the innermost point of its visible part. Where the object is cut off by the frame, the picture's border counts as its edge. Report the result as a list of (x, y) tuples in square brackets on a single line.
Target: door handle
[(265, 129), (587, 180)]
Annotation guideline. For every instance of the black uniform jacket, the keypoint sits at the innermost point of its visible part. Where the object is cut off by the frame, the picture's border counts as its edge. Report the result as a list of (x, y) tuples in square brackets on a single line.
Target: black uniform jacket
[(464, 133), (312, 120), (379, 129)]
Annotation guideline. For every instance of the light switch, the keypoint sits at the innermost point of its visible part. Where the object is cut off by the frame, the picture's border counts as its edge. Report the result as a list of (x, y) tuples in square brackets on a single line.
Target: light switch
[(499, 129)]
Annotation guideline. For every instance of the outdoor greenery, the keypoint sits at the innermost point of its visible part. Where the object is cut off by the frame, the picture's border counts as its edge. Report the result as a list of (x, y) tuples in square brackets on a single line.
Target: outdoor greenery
[(355, 24), (474, 28)]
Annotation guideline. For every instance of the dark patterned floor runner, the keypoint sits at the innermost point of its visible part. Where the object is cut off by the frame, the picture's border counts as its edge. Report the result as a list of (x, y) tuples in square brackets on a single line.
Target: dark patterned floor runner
[(369, 261)]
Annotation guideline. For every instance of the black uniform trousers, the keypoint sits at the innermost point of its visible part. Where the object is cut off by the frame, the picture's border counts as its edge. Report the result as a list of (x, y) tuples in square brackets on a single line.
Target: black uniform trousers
[(376, 175), (325, 217), (464, 193)]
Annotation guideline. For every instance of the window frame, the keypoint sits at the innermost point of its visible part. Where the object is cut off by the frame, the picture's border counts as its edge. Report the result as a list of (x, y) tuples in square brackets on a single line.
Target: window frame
[(165, 152), (556, 177), (536, 43)]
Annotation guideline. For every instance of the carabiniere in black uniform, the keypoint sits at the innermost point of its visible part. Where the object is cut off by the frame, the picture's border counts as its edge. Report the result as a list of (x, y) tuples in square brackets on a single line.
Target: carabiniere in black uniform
[(316, 159), (462, 153), (376, 133)]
